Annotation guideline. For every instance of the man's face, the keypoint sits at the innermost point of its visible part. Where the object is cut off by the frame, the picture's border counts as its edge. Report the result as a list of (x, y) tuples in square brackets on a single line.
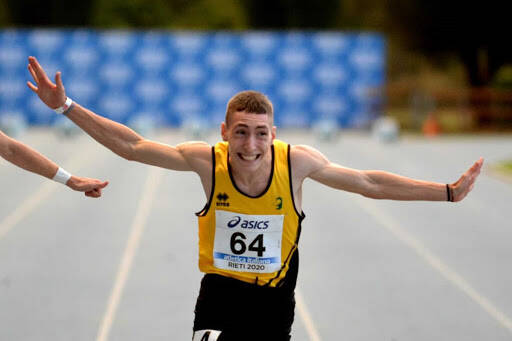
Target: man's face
[(250, 137)]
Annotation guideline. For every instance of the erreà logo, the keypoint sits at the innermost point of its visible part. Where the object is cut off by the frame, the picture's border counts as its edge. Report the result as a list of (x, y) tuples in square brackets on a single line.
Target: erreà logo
[(222, 199)]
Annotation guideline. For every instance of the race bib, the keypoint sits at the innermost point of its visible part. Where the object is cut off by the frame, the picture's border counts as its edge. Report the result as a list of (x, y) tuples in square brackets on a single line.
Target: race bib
[(247, 243)]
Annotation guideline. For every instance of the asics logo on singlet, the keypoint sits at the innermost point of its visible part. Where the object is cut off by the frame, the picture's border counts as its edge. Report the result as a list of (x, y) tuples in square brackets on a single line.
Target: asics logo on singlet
[(248, 224)]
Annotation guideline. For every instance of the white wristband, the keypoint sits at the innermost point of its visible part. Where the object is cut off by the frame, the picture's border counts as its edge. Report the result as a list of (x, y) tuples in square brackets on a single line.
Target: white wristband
[(65, 107), (62, 176)]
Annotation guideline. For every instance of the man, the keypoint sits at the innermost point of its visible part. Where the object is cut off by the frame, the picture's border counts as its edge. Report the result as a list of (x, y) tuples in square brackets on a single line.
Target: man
[(250, 226), (30, 160)]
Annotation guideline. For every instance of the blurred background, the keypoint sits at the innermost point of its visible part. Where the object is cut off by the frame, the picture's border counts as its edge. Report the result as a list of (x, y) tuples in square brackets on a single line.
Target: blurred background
[(430, 66), (420, 88)]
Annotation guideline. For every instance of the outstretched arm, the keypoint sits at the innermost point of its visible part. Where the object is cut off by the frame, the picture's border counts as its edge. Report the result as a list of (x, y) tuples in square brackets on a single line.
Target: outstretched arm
[(308, 162), (118, 138), (27, 158)]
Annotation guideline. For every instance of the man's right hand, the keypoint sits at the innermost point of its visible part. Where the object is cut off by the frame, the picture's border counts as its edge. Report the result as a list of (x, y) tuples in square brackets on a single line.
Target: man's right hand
[(53, 95)]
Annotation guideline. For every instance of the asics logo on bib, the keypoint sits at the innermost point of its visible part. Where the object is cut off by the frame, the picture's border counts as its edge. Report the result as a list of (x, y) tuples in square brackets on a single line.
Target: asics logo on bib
[(233, 222), (248, 224)]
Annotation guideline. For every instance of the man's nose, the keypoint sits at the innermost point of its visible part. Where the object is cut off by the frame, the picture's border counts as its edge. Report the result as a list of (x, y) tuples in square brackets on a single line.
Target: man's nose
[(250, 142)]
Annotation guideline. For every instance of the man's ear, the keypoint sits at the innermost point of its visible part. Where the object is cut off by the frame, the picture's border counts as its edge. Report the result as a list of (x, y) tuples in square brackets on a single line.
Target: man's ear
[(274, 129), (224, 131)]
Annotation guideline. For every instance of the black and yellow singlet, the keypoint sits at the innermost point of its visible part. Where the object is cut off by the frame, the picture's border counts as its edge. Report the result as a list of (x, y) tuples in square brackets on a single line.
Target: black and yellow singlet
[(252, 239)]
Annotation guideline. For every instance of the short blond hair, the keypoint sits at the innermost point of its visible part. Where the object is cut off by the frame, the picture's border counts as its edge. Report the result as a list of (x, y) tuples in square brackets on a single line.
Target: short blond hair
[(250, 101)]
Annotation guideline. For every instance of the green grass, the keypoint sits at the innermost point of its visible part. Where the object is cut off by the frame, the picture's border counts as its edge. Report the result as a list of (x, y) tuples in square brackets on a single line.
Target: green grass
[(450, 121), (505, 166)]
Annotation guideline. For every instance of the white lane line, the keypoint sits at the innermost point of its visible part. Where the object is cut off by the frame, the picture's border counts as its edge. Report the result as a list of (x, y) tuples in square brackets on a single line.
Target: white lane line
[(435, 262), (139, 222), (26, 207), (73, 164), (306, 316)]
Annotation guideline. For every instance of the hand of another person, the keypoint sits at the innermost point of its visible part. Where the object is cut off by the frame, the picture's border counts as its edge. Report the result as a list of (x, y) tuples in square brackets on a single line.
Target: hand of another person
[(91, 187)]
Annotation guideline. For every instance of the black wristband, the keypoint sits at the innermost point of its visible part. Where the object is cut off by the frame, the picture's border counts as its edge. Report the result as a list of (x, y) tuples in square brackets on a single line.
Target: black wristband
[(449, 194)]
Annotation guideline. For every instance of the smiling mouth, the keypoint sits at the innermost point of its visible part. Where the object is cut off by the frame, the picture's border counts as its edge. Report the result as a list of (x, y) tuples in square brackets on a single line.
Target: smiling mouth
[(248, 157)]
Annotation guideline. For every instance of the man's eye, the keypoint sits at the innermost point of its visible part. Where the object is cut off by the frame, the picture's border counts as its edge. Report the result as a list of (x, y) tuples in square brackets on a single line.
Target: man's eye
[(240, 132), (262, 133)]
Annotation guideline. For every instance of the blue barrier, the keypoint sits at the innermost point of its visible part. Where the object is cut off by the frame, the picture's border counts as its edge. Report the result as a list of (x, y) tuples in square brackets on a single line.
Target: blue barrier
[(176, 76)]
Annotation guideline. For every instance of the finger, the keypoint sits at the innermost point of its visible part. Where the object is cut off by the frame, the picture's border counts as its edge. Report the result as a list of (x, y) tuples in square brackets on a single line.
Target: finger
[(38, 69), (35, 64), (93, 194), (32, 86), (475, 168), (103, 185), (96, 186), (58, 81), (97, 193), (31, 70), (480, 161)]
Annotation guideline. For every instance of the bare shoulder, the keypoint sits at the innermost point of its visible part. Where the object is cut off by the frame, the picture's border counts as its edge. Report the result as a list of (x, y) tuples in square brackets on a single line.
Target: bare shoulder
[(198, 155), (195, 149), (188, 156), (306, 160)]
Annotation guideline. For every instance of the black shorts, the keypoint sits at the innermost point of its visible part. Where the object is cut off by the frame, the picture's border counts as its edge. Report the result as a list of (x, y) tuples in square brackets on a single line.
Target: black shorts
[(244, 311)]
